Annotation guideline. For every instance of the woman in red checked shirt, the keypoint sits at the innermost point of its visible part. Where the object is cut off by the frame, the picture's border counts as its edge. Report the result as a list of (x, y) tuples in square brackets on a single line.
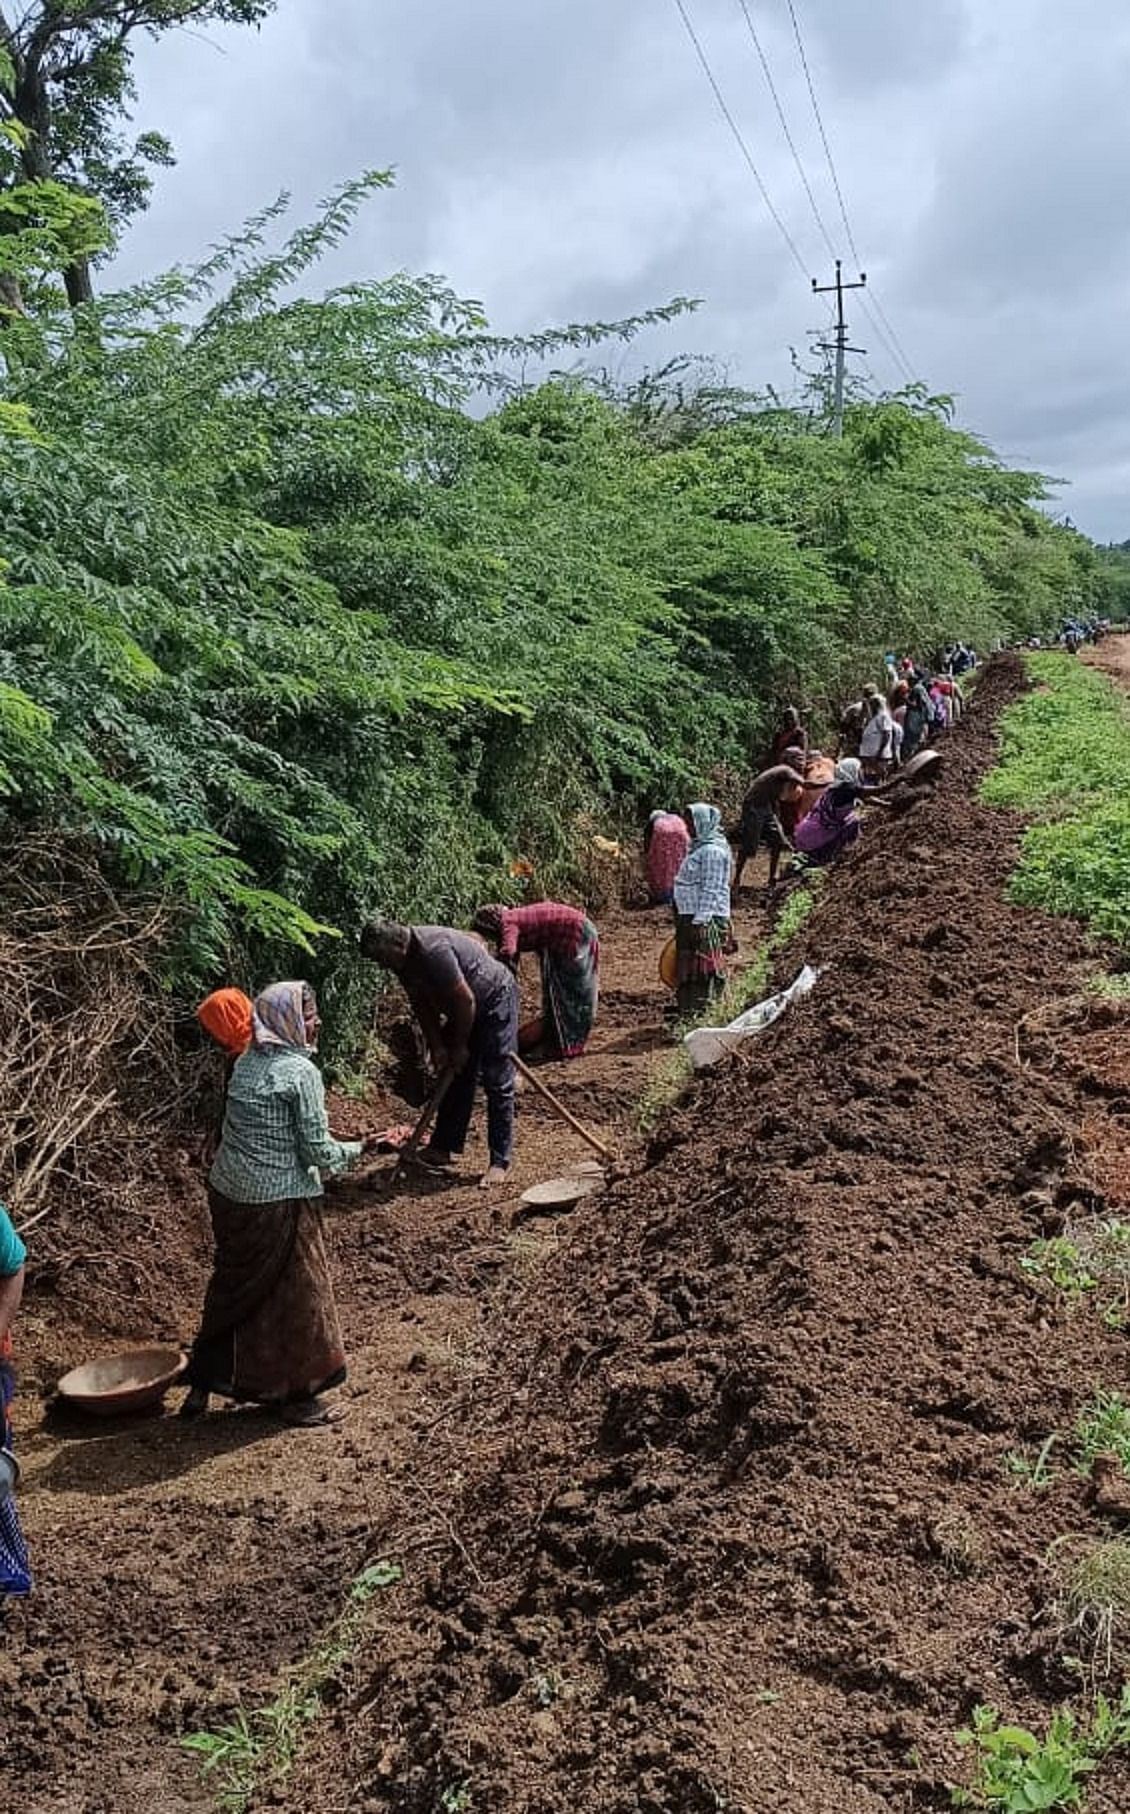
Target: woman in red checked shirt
[(569, 947)]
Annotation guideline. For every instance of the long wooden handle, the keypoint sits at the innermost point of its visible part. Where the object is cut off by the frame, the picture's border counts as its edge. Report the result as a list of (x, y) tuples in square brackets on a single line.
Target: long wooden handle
[(429, 1110), (578, 1127)]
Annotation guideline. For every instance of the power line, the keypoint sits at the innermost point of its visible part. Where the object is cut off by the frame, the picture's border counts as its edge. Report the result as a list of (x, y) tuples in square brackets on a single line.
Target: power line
[(901, 370), (823, 134), (886, 332), (895, 341), (801, 172), (737, 132)]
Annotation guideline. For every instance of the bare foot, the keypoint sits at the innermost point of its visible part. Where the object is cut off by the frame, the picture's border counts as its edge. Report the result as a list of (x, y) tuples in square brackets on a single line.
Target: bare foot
[(497, 1174)]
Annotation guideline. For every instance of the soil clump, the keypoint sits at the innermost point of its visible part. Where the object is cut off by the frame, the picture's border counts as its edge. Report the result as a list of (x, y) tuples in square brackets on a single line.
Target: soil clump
[(724, 1512)]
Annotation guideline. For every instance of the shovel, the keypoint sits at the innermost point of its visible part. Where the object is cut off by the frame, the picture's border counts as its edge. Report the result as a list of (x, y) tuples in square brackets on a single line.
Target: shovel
[(427, 1115), (578, 1127)]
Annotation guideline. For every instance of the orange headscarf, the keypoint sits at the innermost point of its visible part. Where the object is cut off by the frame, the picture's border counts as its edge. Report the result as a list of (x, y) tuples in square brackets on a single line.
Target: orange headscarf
[(226, 1015)]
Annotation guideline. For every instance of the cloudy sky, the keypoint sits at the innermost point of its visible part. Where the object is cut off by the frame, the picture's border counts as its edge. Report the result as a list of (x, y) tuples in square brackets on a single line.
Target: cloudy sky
[(567, 160)]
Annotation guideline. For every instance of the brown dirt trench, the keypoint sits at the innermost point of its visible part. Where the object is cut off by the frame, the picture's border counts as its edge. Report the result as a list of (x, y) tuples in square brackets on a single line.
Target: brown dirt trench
[(700, 1491), (181, 1570)]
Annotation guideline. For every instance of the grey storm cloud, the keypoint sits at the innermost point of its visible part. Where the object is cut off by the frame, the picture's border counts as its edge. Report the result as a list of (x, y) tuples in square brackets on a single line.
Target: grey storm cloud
[(566, 160)]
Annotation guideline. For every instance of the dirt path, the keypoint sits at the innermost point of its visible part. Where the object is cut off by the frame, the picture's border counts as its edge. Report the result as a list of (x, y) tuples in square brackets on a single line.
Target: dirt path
[(735, 1526), (1112, 655), (180, 1568)]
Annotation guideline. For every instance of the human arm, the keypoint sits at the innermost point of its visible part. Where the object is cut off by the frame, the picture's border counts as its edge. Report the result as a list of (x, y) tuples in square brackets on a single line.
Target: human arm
[(508, 940), (444, 1003), (316, 1145), (431, 1026), (11, 1291), (13, 1254), (459, 1007)]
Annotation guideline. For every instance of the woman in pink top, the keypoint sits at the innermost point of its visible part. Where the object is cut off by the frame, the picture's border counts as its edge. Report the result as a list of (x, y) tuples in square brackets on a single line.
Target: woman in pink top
[(666, 842), (568, 945)]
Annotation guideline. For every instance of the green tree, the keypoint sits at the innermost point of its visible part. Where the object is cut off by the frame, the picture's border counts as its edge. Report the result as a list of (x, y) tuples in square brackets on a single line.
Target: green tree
[(71, 67), (294, 624)]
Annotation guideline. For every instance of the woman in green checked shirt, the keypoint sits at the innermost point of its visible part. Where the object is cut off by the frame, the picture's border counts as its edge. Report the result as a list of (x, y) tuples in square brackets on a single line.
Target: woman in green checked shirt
[(270, 1330)]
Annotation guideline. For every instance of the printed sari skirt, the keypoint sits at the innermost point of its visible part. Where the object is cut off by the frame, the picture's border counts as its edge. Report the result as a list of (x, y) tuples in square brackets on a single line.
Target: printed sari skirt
[(570, 992), (270, 1330), (701, 961)]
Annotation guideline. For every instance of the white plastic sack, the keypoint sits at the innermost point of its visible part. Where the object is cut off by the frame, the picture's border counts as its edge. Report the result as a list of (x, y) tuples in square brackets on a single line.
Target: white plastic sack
[(707, 1045)]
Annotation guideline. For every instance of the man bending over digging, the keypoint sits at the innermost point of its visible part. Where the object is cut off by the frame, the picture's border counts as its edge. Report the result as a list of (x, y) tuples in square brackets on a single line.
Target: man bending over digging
[(467, 1005), (760, 821)]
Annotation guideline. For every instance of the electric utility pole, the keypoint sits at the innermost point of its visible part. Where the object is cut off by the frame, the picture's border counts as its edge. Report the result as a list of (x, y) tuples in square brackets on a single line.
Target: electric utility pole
[(840, 345)]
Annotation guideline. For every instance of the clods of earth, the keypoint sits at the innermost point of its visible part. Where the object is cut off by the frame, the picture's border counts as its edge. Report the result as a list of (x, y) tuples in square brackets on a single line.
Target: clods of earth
[(700, 1492)]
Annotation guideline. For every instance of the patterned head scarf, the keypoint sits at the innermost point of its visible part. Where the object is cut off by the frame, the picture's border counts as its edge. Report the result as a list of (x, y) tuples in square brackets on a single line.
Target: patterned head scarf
[(279, 1017), (226, 1015), (849, 772), (707, 822)]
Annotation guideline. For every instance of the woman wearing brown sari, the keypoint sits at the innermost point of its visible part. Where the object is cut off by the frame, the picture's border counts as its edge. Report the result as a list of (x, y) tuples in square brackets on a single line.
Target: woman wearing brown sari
[(270, 1330)]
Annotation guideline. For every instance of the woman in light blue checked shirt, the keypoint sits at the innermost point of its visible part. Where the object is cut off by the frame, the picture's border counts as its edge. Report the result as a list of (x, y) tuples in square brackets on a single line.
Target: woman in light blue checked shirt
[(270, 1330)]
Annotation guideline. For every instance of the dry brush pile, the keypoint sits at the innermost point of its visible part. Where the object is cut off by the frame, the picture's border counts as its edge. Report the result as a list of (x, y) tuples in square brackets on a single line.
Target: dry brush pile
[(92, 1085)]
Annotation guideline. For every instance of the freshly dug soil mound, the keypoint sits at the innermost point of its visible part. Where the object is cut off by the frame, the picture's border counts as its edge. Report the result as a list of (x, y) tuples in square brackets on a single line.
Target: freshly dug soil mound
[(725, 1515)]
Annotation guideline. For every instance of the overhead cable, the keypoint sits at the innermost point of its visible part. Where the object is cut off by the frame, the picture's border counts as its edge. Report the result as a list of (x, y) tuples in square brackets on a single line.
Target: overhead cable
[(801, 171), (739, 136), (887, 330), (900, 369), (823, 134), (895, 341)]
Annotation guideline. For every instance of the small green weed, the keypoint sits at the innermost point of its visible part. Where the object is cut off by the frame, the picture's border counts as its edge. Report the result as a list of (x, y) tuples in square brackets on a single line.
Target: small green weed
[(1032, 1469), (1016, 1772), (1091, 1258), (1110, 986), (1103, 1428), (260, 1747), (456, 1799), (546, 1687)]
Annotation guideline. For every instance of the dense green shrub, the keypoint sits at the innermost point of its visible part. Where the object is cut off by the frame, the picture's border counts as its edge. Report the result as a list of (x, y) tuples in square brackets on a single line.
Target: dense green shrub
[(295, 621)]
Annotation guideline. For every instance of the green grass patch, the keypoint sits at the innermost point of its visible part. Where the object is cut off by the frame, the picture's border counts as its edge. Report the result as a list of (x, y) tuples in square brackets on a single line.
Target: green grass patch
[(1090, 1261), (1066, 756), (256, 1751)]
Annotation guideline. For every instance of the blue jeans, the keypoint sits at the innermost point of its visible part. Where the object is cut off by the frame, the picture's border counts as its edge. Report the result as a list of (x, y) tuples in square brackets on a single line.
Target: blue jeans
[(493, 1041)]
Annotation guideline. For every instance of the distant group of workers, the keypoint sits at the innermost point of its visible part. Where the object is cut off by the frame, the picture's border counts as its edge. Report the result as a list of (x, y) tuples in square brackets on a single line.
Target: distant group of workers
[(802, 803), (1073, 632)]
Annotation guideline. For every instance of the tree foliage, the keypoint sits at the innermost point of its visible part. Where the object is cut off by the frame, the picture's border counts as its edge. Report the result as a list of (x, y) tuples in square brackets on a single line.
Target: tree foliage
[(308, 606), (66, 89)]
